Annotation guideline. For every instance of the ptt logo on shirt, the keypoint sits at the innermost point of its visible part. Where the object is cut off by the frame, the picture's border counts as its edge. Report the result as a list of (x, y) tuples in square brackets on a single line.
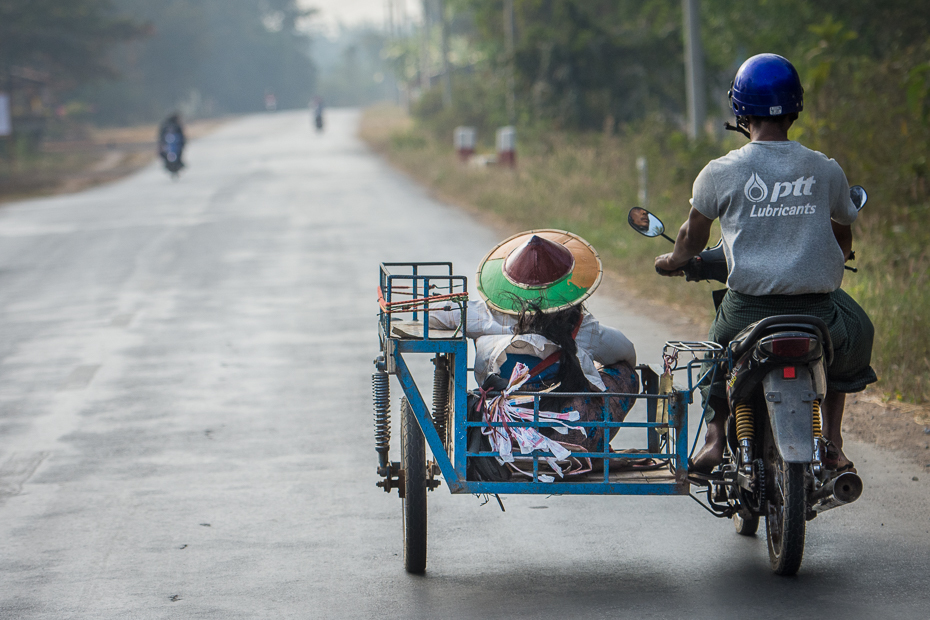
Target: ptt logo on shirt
[(757, 191)]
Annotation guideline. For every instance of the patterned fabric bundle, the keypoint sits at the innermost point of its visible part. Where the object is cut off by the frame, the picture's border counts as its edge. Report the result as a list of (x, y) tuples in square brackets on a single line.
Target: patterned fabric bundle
[(563, 438)]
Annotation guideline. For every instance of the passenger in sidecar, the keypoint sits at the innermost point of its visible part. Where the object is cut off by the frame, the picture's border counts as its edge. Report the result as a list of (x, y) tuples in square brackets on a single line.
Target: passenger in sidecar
[(533, 286)]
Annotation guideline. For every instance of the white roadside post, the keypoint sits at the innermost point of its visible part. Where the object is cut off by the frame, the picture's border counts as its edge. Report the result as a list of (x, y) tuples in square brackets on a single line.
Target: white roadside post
[(643, 169), (464, 140), (507, 146)]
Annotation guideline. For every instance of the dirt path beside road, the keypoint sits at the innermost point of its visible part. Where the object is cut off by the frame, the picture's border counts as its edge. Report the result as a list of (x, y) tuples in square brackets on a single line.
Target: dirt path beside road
[(102, 156)]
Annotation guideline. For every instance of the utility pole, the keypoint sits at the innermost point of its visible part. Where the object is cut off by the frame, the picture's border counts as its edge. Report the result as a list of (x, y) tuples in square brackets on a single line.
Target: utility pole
[(424, 48), (694, 67), (509, 35), (446, 73)]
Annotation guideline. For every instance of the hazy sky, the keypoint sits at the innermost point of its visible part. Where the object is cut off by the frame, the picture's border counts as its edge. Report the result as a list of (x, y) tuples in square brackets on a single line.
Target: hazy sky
[(357, 11)]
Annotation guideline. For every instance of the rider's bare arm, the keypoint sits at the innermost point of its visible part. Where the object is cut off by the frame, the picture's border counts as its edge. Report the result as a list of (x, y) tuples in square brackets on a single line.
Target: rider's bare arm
[(844, 237), (692, 237)]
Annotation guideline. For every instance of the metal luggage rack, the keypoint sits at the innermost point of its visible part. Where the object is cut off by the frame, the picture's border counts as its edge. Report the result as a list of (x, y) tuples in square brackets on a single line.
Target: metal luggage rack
[(705, 357), (415, 290)]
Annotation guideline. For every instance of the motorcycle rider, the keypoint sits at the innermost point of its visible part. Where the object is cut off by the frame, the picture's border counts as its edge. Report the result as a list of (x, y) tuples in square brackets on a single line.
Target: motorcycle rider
[(785, 217), (316, 104), (171, 126)]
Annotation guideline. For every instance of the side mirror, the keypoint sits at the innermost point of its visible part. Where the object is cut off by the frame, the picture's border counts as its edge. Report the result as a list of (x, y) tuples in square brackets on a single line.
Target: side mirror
[(645, 223), (858, 196)]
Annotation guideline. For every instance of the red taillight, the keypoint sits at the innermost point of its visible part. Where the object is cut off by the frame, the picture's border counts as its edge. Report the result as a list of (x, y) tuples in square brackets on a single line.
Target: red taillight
[(796, 346), (789, 373)]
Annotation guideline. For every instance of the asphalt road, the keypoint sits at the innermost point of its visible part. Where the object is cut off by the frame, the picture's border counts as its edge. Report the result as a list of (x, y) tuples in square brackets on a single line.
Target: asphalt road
[(185, 423)]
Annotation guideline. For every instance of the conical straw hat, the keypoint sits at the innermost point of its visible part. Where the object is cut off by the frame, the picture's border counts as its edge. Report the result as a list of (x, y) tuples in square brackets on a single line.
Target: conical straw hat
[(553, 269)]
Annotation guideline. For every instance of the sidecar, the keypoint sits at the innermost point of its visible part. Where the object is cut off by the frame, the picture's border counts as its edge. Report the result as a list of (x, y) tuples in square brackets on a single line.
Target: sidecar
[(434, 437)]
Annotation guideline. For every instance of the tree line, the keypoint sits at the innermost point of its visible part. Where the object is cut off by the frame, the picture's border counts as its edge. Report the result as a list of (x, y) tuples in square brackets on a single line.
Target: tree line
[(578, 63), (122, 61)]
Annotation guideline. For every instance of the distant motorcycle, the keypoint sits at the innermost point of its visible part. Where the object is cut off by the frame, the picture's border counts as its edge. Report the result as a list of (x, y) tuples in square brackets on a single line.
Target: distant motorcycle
[(171, 148), (316, 104), (776, 378)]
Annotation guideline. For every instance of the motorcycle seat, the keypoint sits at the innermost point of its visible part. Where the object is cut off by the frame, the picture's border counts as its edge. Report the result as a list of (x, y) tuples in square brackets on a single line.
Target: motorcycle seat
[(746, 339)]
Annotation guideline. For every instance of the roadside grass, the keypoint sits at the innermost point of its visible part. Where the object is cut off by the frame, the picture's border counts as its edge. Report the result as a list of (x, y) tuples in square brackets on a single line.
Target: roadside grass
[(587, 184)]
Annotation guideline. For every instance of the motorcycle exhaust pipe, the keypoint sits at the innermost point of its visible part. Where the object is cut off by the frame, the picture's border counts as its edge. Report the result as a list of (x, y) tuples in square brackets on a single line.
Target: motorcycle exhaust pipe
[(844, 489)]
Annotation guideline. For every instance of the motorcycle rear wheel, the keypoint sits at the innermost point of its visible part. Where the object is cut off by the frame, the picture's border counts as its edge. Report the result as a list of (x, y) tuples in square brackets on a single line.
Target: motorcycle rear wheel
[(786, 515)]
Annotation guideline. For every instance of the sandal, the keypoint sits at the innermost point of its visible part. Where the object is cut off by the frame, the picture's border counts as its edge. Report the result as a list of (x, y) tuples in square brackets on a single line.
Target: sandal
[(831, 459)]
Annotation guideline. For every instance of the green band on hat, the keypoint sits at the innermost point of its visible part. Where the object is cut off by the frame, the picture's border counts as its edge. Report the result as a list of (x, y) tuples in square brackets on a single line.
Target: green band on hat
[(506, 296)]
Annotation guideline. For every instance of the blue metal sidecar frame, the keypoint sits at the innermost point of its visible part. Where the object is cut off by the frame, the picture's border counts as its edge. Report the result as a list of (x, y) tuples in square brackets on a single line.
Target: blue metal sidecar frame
[(422, 287)]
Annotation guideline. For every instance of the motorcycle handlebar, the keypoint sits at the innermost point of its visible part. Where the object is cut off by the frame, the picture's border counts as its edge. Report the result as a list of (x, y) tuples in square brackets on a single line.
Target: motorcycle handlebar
[(692, 270), (710, 265)]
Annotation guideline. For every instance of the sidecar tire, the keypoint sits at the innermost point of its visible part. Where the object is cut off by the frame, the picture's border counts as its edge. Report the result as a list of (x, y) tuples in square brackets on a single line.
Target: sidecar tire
[(747, 526), (413, 463)]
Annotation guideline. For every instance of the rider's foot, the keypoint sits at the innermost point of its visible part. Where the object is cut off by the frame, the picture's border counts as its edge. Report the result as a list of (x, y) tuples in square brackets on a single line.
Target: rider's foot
[(711, 454), (835, 459)]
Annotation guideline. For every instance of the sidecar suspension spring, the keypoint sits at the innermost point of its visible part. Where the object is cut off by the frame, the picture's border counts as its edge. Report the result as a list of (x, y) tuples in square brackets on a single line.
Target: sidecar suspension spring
[(745, 428), (441, 395), (815, 416), (381, 394)]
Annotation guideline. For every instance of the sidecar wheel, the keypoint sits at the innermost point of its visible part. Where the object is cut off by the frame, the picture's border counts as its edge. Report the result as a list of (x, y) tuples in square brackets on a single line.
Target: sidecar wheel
[(786, 516), (746, 526), (413, 462)]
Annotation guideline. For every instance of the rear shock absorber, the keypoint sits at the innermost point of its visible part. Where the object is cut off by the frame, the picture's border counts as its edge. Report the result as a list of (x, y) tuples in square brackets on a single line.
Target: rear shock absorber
[(818, 435), (818, 429), (441, 395), (745, 428), (745, 433), (381, 394)]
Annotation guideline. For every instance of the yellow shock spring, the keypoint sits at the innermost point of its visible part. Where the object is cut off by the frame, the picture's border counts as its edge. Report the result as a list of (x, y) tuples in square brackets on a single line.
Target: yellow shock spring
[(818, 430), (745, 429)]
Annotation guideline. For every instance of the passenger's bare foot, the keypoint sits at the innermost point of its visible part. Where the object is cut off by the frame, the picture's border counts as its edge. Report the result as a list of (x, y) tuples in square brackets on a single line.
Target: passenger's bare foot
[(706, 459), (711, 454)]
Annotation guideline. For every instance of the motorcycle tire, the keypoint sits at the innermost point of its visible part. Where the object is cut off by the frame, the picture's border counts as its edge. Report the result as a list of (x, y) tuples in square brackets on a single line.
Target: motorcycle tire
[(413, 462), (786, 515)]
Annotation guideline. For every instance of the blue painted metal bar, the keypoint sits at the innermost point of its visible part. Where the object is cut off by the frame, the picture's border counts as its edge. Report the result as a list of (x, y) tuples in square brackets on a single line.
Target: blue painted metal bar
[(679, 409), (616, 456), (573, 488), (430, 346), (547, 424), (460, 410)]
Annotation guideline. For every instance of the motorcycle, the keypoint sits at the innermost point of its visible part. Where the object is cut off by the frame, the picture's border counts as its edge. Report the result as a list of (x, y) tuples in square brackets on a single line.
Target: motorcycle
[(171, 149), (775, 372)]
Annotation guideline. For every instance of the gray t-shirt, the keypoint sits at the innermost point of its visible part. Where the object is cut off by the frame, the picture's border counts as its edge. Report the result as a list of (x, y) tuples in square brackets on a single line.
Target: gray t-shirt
[(775, 201)]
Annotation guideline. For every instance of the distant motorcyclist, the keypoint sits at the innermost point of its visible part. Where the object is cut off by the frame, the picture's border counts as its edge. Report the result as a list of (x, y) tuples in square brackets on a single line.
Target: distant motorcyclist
[(171, 142), (316, 104), (785, 216)]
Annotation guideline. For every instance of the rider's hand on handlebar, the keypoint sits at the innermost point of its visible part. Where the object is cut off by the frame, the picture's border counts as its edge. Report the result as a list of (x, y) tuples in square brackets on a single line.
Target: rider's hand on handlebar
[(665, 267)]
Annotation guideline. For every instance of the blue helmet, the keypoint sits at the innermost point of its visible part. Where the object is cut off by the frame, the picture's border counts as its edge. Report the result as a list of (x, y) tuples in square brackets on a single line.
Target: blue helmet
[(766, 85)]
